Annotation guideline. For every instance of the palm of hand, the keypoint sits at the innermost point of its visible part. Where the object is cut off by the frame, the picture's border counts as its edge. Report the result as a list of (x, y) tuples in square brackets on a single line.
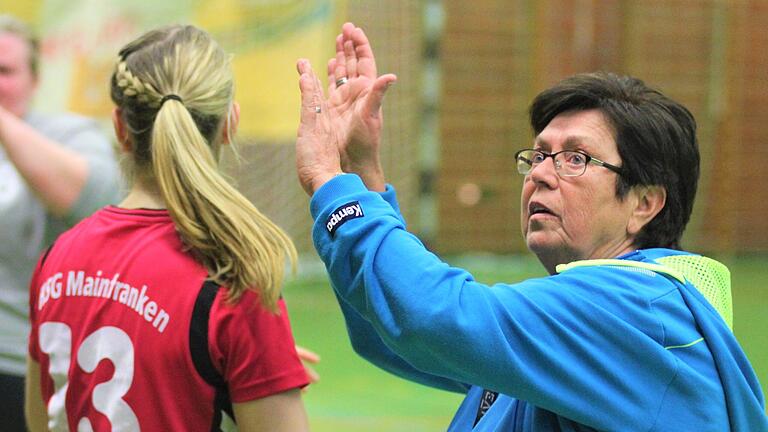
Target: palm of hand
[(357, 130), (341, 132)]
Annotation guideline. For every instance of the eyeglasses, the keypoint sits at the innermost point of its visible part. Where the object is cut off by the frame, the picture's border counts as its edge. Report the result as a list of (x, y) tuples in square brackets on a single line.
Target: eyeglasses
[(568, 163)]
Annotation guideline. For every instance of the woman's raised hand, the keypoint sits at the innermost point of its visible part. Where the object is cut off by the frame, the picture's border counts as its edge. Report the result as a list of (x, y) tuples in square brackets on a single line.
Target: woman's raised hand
[(349, 120)]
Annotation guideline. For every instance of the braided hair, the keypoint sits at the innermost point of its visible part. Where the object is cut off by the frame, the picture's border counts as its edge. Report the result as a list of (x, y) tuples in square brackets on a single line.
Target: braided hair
[(174, 88)]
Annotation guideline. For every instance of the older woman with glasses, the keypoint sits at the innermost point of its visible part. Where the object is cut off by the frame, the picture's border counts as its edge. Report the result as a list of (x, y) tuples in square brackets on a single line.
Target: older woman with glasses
[(629, 332)]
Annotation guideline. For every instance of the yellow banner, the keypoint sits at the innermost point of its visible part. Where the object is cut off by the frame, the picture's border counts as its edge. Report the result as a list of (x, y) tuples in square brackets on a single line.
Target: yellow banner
[(80, 40), (267, 39), (24, 10)]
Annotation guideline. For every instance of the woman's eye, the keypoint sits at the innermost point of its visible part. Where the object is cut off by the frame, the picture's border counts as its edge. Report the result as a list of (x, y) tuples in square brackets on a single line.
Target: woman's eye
[(576, 159)]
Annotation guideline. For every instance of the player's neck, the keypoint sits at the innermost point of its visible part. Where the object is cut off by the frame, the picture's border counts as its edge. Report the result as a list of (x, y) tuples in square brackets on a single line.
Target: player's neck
[(141, 196)]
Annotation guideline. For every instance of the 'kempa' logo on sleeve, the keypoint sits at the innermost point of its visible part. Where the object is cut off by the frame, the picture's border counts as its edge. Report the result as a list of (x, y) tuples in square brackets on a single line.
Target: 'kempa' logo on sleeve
[(342, 214)]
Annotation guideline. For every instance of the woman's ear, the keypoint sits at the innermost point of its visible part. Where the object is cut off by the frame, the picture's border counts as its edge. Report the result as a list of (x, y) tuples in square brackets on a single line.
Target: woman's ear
[(230, 127), (650, 201), (120, 130)]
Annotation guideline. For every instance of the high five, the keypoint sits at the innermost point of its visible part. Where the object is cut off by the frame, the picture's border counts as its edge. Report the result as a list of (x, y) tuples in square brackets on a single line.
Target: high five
[(629, 332)]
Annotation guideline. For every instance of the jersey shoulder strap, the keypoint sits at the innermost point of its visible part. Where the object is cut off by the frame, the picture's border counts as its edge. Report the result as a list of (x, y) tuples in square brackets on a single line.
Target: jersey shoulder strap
[(223, 418)]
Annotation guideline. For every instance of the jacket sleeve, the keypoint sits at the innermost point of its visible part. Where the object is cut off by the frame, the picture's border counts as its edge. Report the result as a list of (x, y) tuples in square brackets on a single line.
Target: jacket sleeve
[(544, 340), (367, 343)]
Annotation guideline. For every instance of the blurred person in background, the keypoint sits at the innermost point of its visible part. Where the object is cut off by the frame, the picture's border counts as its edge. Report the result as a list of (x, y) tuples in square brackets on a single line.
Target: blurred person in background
[(178, 286), (54, 170), (629, 332)]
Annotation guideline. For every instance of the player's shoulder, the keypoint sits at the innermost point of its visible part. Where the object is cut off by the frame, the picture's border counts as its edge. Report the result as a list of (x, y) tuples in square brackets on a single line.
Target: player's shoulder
[(247, 304), (81, 228)]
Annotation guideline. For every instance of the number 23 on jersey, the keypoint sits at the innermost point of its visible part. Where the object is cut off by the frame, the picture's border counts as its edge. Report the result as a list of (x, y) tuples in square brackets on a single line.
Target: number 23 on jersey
[(110, 343)]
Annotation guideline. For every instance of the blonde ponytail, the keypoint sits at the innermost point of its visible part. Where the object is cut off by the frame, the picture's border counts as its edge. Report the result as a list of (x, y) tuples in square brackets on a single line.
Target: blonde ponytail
[(241, 248)]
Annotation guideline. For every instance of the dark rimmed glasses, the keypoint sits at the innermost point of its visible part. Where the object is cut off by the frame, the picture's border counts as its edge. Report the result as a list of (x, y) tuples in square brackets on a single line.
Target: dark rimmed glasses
[(568, 163)]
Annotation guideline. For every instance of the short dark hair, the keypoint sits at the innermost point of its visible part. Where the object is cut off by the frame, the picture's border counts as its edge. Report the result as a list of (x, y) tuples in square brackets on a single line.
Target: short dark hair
[(655, 136)]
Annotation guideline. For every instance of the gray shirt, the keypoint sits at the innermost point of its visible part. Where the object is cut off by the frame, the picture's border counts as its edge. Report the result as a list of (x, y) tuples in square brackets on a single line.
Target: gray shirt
[(26, 229)]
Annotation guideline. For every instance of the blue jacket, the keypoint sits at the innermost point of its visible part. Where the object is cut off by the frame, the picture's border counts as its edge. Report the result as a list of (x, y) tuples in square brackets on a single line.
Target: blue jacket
[(622, 346)]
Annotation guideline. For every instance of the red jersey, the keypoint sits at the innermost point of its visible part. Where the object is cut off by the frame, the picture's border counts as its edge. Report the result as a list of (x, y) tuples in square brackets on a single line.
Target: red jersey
[(130, 336)]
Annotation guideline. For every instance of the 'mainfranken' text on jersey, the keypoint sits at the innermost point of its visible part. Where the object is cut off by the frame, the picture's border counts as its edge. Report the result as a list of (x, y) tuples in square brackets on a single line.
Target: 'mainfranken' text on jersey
[(78, 284)]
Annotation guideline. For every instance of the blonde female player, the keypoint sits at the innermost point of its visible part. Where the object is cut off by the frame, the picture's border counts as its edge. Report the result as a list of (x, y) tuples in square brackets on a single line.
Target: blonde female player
[(164, 313)]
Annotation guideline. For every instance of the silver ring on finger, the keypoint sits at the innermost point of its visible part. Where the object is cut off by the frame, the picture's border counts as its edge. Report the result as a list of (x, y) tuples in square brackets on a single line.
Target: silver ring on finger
[(318, 109), (341, 81)]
